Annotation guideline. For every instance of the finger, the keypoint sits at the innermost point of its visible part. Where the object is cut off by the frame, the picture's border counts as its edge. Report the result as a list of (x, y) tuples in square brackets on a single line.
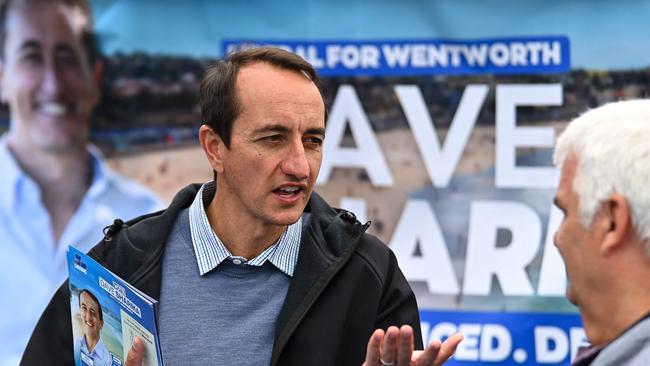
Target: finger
[(448, 347), (373, 352), (136, 353), (405, 345), (389, 345), (428, 356)]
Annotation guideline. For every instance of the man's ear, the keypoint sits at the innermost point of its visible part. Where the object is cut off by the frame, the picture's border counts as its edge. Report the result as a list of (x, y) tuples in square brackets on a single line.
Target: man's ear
[(213, 147), (616, 211)]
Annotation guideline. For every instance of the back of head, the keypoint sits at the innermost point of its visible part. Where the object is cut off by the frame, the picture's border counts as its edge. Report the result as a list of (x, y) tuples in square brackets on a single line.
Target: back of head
[(612, 144), (218, 99)]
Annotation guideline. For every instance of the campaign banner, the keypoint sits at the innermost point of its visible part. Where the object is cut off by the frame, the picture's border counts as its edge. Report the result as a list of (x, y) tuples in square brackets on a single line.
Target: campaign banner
[(441, 126), (517, 55)]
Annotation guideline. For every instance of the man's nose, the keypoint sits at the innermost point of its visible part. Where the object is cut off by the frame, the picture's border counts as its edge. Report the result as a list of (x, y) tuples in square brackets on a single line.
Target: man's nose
[(295, 162), (51, 82)]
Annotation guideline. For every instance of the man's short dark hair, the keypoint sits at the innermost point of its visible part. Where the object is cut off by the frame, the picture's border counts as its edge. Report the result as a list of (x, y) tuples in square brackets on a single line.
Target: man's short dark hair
[(101, 311), (88, 39), (220, 106)]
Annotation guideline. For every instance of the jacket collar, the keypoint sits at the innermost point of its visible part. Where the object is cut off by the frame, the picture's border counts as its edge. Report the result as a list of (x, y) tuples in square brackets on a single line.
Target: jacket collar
[(133, 250), (327, 244)]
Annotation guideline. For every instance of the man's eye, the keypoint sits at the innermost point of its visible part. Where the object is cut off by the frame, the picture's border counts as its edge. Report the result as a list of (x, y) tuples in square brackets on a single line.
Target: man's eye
[(68, 61), (314, 140), (272, 138), (32, 58), (67, 58)]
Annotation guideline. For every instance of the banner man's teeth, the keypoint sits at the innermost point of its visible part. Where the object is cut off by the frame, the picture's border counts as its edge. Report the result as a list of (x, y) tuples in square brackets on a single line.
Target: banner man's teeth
[(52, 108)]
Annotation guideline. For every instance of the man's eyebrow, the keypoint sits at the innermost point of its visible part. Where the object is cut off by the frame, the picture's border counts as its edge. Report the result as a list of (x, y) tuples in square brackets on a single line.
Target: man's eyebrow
[(272, 128), (30, 44), (282, 128), (316, 131), (64, 47)]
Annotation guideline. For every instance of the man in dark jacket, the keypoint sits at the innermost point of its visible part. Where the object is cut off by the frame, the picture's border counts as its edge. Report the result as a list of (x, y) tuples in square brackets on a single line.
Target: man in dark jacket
[(283, 278)]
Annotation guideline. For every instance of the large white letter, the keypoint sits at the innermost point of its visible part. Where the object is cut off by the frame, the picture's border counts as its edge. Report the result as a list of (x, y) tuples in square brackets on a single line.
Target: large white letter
[(508, 263), (509, 136), (441, 162), (578, 339), (442, 330), (544, 337), (467, 350), (552, 276), (366, 155), (500, 334), (418, 224), (356, 206)]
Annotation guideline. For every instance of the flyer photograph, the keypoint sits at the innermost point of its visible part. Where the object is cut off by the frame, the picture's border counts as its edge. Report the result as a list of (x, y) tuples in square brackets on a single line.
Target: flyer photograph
[(107, 314)]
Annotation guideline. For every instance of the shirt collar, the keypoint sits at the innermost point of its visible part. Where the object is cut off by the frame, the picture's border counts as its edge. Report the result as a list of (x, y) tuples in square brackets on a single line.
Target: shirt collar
[(99, 350), (13, 175), (210, 251), (586, 355)]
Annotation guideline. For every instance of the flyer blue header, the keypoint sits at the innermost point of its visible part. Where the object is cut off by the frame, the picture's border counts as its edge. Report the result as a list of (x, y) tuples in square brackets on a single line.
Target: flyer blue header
[(520, 55)]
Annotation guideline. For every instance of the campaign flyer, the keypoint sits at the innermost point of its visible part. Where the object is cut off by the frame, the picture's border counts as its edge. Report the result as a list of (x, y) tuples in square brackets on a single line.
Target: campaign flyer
[(107, 314)]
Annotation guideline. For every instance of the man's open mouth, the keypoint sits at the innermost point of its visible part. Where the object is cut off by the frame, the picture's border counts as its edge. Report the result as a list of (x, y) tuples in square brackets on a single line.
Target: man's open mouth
[(288, 191)]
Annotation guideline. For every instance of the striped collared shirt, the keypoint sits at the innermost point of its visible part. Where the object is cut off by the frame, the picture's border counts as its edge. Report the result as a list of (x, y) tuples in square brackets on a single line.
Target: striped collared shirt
[(210, 251)]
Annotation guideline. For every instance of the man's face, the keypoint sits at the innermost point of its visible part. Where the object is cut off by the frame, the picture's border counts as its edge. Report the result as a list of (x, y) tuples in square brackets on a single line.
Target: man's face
[(577, 246), (268, 173), (90, 310), (45, 78)]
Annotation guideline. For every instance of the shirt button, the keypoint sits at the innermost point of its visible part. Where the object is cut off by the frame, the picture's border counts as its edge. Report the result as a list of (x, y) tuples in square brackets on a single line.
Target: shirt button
[(237, 261)]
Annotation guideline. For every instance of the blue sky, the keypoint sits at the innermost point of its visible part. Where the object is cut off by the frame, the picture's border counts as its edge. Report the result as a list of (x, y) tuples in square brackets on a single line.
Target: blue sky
[(603, 34)]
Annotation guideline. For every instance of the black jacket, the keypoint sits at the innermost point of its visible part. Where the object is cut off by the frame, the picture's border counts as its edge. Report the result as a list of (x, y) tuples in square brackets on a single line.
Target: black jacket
[(346, 284)]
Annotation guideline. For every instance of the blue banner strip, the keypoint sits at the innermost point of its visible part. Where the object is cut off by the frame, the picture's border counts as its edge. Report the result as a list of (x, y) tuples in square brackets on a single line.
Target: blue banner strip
[(506, 338), (523, 55)]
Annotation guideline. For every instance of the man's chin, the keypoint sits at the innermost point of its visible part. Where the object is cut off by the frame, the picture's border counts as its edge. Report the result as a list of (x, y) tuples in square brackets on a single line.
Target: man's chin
[(571, 296), (63, 138), (287, 218), (62, 146), (286, 221), (287, 215)]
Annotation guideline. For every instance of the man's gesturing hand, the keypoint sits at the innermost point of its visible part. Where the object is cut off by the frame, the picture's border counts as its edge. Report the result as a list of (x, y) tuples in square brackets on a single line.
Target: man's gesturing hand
[(395, 348)]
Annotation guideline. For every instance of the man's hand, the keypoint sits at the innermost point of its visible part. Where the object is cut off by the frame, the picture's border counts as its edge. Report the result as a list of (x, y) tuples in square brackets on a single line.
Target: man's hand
[(136, 353), (395, 348)]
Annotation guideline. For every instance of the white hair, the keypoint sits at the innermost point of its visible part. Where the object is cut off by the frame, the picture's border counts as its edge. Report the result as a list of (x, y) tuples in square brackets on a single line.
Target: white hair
[(612, 144)]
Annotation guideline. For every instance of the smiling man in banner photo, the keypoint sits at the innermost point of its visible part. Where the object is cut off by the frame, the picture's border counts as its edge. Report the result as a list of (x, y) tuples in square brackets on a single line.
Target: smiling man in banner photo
[(90, 345), (55, 189), (254, 268), (604, 238)]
